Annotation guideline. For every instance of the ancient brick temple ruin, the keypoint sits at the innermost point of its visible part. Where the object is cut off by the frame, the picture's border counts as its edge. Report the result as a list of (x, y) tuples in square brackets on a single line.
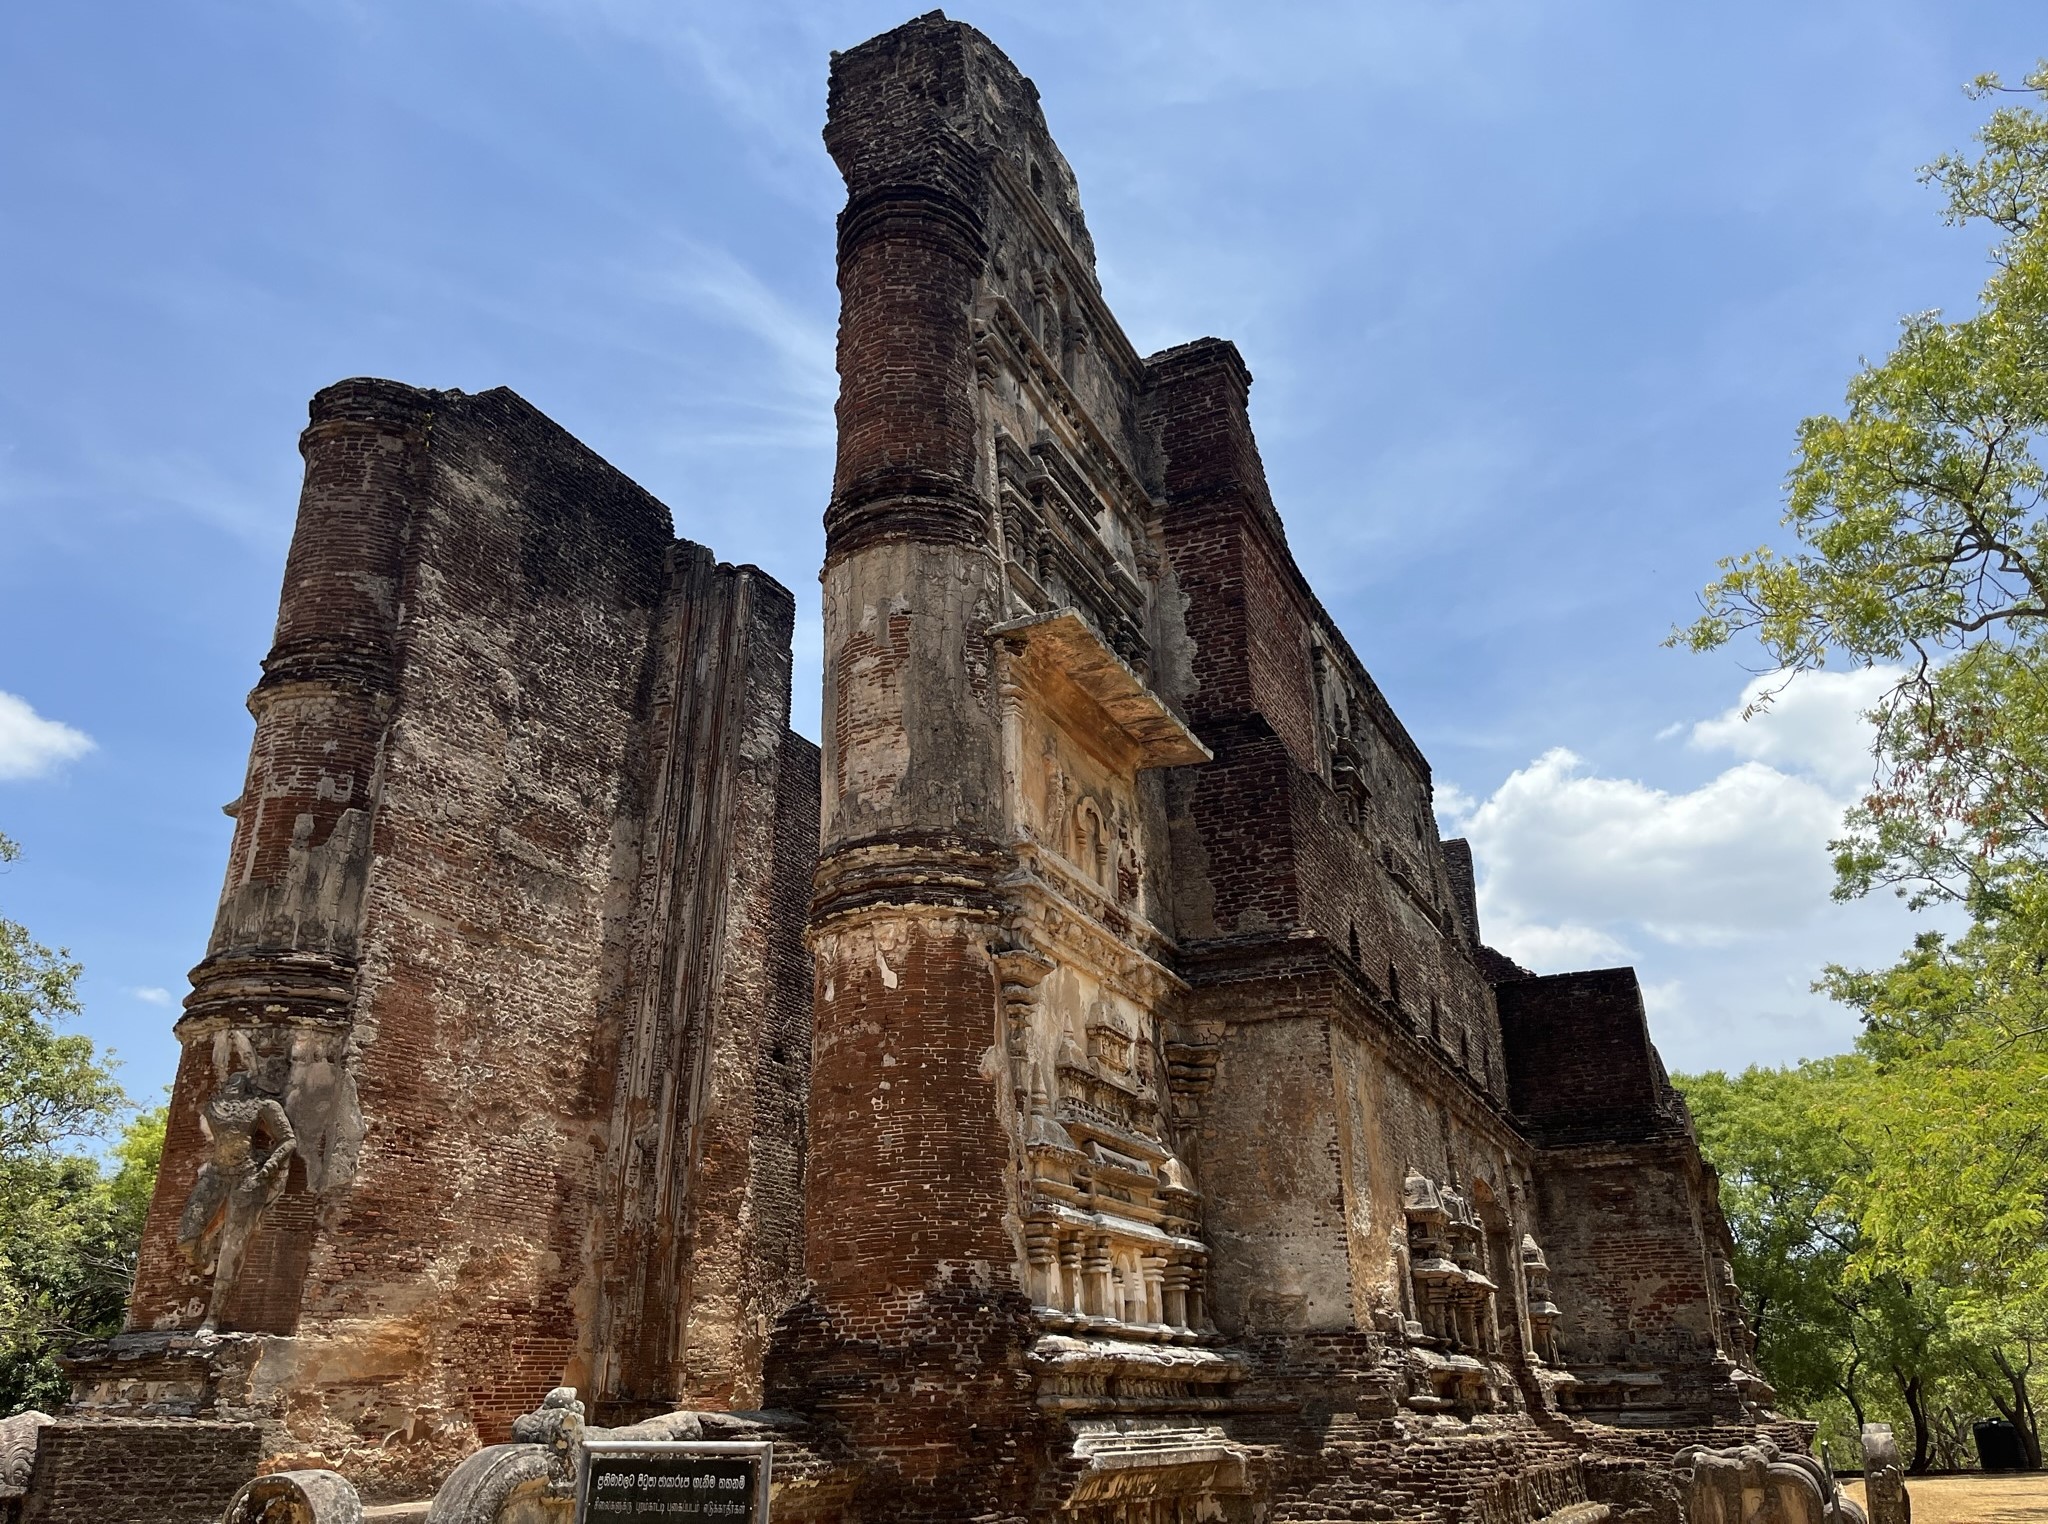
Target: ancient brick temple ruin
[(1081, 1092)]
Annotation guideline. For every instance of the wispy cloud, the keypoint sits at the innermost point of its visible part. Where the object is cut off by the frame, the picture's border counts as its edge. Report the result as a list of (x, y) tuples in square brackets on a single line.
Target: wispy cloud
[(714, 284), (32, 746), (154, 994), (98, 476)]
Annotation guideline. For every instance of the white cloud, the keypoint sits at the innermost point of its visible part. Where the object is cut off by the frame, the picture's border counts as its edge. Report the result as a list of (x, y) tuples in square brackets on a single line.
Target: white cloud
[(30, 745), (1573, 858), (1551, 948), (1718, 894), (1453, 804), (154, 994), (1813, 723)]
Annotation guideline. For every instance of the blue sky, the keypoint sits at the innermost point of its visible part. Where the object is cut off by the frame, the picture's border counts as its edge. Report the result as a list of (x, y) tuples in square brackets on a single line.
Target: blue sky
[(1534, 296)]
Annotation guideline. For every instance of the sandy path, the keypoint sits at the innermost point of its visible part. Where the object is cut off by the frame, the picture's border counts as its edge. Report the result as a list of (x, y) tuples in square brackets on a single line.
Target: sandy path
[(2016, 1498)]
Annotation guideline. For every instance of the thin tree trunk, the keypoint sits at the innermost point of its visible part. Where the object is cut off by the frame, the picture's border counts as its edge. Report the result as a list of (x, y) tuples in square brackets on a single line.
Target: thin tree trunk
[(1847, 1386), (2021, 1413), (1916, 1405), (2008, 1393)]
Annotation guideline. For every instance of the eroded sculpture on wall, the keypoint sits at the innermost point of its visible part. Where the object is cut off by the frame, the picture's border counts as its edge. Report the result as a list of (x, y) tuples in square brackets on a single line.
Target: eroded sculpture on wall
[(250, 1143)]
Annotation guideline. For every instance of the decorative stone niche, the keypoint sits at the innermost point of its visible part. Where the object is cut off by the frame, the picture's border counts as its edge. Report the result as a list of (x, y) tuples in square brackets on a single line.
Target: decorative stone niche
[(1110, 1207), (1452, 1299)]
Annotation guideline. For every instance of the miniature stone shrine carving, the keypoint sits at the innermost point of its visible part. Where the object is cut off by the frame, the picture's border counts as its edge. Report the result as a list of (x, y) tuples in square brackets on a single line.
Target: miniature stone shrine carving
[(1543, 1312)]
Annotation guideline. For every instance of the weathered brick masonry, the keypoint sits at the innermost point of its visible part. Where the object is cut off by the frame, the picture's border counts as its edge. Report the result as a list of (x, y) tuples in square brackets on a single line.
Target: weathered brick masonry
[(1181, 1162), (512, 937), (1079, 1091)]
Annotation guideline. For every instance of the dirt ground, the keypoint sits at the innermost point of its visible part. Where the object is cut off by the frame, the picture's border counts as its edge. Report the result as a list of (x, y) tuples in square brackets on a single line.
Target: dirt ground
[(2012, 1498)]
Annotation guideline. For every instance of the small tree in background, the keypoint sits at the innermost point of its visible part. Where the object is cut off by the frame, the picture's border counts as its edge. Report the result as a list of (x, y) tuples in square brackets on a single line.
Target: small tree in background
[(68, 1228)]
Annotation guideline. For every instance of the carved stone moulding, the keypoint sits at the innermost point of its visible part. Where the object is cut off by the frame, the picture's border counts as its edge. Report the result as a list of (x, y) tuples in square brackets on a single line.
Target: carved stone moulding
[(1067, 914), (261, 989), (1163, 1470), (1084, 1372), (1064, 641), (912, 870)]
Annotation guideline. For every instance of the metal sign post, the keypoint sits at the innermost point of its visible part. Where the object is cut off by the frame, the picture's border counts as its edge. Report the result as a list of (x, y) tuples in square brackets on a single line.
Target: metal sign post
[(674, 1481)]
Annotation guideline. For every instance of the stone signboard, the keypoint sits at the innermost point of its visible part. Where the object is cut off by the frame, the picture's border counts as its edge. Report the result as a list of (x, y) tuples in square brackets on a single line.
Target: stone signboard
[(634, 1481)]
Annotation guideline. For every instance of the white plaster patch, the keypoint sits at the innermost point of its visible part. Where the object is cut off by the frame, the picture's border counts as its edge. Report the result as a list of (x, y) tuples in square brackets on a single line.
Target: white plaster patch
[(888, 973)]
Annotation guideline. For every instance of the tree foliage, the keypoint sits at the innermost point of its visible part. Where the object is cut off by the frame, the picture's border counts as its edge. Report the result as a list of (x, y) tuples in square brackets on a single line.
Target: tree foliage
[(53, 1089), (1891, 1205), (69, 1224), (67, 1258), (1863, 1308), (1921, 538)]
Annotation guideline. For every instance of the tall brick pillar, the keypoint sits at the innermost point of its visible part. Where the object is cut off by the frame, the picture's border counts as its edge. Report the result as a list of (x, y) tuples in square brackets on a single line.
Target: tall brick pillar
[(913, 1331), (272, 998)]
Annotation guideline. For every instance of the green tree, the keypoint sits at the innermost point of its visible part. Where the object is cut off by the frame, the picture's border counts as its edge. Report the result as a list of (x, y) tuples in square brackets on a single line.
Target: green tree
[(1922, 541), (54, 1090), (1952, 1115), (67, 1260), (68, 1228), (1781, 1166), (1842, 1333)]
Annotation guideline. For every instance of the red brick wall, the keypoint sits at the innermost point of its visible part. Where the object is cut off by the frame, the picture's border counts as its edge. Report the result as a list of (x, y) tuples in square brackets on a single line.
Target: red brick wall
[(473, 949), (139, 1472), (1628, 1257), (1580, 1064), (530, 602)]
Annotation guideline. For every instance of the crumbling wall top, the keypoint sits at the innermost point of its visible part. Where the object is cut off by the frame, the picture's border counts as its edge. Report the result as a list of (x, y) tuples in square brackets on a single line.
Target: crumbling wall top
[(935, 104)]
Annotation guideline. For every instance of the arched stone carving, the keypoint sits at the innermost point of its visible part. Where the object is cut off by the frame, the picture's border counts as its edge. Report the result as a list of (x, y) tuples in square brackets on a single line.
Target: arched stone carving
[(1090, 847), (296, 1497), (1758, 1484)]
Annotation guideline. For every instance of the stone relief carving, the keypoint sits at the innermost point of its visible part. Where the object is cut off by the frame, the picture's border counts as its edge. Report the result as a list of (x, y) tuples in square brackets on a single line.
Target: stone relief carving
[(250, 1143), (1758, 1484), (1058, 794), (1884, 1477), (1128, 873), (1089, 845)]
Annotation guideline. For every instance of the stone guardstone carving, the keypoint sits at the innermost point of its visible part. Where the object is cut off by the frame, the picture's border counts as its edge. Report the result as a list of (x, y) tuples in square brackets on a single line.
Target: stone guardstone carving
[(1759, 1484), (533, 1479), (530, 1481), (557, 1427), (250, 1144), (18, 1436), (1884, 1479), (296, 1497)]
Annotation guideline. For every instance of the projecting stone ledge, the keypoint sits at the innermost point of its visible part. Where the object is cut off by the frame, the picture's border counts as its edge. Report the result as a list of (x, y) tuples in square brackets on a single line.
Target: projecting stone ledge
[(1065, 642)]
